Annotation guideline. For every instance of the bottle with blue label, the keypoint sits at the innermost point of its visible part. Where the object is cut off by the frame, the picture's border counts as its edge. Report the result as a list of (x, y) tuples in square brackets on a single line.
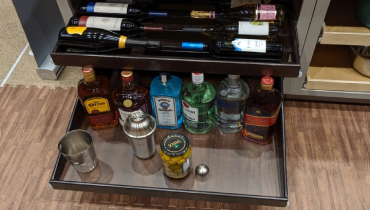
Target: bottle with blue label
[(165, 97), (230, 101)]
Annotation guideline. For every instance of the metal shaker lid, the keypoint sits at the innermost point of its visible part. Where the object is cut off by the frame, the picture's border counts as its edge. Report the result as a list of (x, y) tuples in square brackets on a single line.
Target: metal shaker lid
[(202, 173), (139, 125)]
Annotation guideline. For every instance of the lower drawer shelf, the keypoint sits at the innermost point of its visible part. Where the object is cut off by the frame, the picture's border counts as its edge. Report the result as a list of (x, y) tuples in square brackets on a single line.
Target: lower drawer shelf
[(241, 172)]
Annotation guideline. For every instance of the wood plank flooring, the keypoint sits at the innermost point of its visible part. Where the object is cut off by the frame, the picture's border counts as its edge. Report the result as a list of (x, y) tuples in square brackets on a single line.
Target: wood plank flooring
[(328, 157)]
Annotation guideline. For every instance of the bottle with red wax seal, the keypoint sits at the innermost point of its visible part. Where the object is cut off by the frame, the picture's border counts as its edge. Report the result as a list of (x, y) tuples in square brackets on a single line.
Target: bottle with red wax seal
[(96, 98), (261, 111), (129, 97)]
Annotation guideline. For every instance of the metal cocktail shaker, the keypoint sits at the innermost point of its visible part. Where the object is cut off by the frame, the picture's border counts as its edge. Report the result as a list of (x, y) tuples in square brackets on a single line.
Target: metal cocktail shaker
[(140, 127)]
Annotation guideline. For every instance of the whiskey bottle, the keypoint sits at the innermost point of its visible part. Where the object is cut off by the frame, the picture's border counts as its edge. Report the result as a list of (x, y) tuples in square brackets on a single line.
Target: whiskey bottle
[(136, 11), (129, 97), (95, 40), (239, 28), (257, 12), (261, 111), (198, 105), (95, 97), (166, 100), (231, 95), (112, 24)]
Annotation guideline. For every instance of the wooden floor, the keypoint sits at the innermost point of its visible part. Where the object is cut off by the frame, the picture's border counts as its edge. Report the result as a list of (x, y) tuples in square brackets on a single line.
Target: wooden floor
[(328, 153)]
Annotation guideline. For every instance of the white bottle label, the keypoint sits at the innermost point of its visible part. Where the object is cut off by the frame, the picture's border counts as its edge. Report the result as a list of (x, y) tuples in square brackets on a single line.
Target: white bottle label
[(123, 115), (112, 24), (186, 165), (165, 111), (253, 28), (237, 3), (190, 113), (250, 45), (120, 1), (116, 8)]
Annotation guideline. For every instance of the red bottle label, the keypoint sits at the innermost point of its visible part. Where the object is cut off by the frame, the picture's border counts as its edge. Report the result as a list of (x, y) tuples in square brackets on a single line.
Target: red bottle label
[(259, 121), (267, 12), (102, 119)]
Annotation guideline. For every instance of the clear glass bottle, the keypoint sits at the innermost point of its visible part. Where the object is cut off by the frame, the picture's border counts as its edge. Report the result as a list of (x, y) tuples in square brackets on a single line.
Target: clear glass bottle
[(96, 98), (261, 112), (166, 101), (230, 101), (198, 105), (129, 97)]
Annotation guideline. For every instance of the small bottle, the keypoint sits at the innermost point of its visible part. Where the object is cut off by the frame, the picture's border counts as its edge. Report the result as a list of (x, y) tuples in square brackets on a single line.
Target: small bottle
[(112, 24), (198, 105), (230, 101), (261, 112), (129, 97), (96, 39), (166, 101), (95, 97), (119, 9)]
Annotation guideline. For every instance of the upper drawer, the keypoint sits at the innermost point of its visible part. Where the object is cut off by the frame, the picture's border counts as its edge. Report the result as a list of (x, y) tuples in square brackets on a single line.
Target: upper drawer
[(140, 59)]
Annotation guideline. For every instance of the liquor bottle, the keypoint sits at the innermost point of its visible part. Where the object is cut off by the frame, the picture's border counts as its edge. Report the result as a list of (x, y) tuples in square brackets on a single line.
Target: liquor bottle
[(95, 39), (118, 9), (198, 105), (261, 112), (239, 28), (255, 12), (241, 49), (112, 24), (129, 97), (230, 101), (95, 97), (166, 101)]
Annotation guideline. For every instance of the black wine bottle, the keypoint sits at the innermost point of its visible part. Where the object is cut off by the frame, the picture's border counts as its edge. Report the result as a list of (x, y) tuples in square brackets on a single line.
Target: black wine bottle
[(112, 24), (100, 40), (118, 9), (239, 28), (255, 12)]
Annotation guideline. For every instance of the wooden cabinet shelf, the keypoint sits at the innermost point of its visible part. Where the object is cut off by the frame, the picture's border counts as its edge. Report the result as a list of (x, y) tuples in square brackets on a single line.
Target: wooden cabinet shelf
[(331, 69), (341, 26)]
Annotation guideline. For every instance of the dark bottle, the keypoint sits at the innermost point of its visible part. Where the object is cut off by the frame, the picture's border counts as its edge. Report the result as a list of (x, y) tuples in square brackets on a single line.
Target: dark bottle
[(261, 112), (119, 9), (95, 39), (239, 28), (95, 97), (112, 24), (255, 12), (244, 49)]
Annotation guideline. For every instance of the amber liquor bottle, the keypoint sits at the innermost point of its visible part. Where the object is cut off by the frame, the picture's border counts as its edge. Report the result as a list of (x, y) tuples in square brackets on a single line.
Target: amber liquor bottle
[(261, 111), (129, 97), (95, 97)]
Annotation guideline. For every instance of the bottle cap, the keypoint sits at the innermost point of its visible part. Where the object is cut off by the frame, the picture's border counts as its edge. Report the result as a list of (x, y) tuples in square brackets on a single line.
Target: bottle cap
[(127, 76), (197, 78), (267, 83), (202, 173), (174, 144), (164, 76), (232, 76), (89, 73), (82, 22), (202, 14)]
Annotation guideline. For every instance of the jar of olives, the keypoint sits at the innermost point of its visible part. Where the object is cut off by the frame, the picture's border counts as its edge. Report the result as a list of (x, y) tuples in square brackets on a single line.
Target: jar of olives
[(175, 152)]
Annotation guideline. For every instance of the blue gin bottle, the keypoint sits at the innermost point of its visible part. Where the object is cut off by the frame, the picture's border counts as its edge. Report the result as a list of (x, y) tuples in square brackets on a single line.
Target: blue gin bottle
[(166, 101)]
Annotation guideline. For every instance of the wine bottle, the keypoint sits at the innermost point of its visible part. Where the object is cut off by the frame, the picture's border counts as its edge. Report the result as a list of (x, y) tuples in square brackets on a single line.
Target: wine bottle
[(112, 24), (240, 28), (100, 40), (241, 49), (255, 12), (118, 9)]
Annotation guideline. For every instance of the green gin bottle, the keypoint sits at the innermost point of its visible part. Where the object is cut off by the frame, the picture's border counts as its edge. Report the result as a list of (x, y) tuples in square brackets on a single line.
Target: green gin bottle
[(198, 105)]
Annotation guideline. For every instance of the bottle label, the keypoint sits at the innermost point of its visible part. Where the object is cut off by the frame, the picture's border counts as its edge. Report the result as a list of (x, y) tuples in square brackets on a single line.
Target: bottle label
[(186, 165), (267, 12), (192, 46), (165, 111), (250, 45), (190, 113), (237, 3), (123, 115), (112, 24), (259, 121), (253, 28), (103, 7), (76, 30), (102, 119), (96, 105)]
